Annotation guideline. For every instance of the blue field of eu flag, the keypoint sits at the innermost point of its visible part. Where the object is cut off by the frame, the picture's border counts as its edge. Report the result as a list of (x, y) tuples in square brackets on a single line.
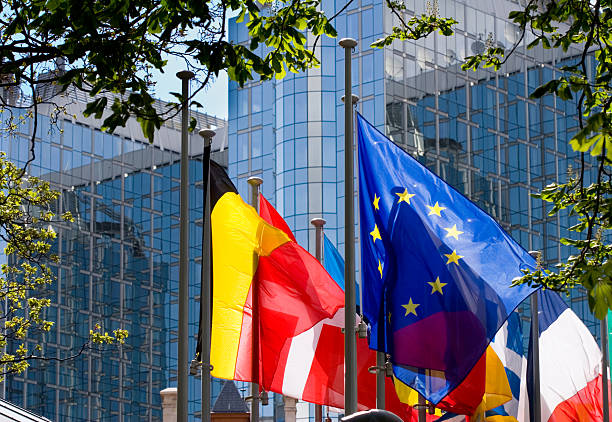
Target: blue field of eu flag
[(436, 269)]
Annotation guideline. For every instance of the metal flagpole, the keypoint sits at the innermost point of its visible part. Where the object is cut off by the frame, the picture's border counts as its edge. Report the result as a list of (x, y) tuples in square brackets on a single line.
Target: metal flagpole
[(208, 135), (535, 401), (605, 361), (255, 182), (422, 409), (182, 410), (350, 345), (318, 223), (381, 374)]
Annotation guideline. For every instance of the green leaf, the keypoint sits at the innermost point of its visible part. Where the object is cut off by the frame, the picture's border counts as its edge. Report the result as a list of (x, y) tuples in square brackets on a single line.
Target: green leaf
[(565, 92), (547, 88), (601, 295), (95, 107), (148, 128)]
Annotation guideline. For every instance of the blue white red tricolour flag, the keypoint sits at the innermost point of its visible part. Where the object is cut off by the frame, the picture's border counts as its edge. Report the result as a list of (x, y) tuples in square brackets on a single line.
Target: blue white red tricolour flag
[(570, 365), (570, 369)]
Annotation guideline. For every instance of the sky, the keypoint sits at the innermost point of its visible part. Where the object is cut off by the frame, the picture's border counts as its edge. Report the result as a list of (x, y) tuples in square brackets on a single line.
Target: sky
[(213, 98)]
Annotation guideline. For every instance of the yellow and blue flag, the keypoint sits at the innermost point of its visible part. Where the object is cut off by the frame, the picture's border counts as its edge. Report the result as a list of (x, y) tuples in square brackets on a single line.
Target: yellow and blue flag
[(436, 269)]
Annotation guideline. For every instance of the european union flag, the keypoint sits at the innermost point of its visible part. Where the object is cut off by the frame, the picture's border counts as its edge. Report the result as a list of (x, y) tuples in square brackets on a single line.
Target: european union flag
[(436, 269)]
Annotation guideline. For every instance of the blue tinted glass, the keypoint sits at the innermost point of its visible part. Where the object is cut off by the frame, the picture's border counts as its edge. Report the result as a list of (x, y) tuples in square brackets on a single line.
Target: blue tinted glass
[(301, 101), (329, 151), (289, 200), (243, 146), (243, 102), (256, 143), (301, 153), (288, 110), (301, 199), (256, 98)]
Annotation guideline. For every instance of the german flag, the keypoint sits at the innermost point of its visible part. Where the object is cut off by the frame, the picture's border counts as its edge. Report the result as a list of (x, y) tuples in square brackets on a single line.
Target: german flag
[(258, 269)]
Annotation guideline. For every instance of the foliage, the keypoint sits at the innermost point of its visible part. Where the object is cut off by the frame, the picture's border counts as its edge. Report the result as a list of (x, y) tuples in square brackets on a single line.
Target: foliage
[(113, 46), (585, 27), (26, 227), (591, 266), (416, 27)]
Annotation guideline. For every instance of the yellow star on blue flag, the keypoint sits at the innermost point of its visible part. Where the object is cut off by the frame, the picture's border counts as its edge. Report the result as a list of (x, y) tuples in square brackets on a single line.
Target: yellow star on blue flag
[(443, 255)]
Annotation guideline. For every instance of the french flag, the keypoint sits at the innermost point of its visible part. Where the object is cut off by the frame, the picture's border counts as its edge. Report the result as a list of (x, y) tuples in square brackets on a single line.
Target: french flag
[(570, 365)]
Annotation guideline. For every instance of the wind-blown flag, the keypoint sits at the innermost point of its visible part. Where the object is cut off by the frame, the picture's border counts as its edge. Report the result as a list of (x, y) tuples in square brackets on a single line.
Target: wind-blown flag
[(508, 345), (310, 365), (436, 269), (570, 365), (333, 262), (501, 381), (494, 386), (259, 267)]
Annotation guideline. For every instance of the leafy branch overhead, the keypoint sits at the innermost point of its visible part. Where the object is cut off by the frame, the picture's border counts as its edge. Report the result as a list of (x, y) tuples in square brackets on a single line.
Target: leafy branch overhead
[(585, 28), (415, 27), (580, 31), (26, 228), (114, 47)]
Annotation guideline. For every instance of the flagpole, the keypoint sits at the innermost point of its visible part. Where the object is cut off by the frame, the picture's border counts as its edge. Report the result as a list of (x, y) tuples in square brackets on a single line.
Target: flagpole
[(318, 223), (535, 401), (381, 373), (255, 183), (350, 345), (422, 410), (182, 408), (605, 361), (205, 321)]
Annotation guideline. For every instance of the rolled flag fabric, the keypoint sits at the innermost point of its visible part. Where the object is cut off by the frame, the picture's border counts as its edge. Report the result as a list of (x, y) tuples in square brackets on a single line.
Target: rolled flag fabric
[(436, 269), (570, 365)]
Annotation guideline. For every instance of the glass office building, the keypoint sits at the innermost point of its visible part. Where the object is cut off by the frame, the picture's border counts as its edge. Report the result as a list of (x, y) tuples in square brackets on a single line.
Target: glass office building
[(480, 131), (118, 264)]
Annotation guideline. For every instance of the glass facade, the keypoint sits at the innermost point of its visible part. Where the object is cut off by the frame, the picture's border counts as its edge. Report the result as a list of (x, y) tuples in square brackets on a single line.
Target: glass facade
[(480, 131), (118, 267)]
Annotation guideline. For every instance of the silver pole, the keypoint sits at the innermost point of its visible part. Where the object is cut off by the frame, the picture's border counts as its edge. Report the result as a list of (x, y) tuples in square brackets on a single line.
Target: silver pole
[(318, 223), (535, 401), (381, 373), (182, 408), (255, 182), (605, 361), (350, 345), (208, 135)]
